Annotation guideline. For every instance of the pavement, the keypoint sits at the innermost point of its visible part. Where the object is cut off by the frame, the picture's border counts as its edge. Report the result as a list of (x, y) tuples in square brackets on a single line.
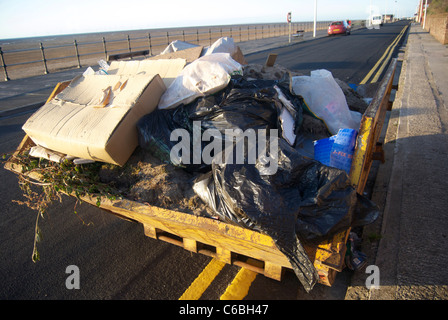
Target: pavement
[(408, 244)]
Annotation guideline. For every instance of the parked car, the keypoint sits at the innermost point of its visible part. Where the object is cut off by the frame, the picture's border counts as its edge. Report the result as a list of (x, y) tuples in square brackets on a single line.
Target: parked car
[(339, 27)]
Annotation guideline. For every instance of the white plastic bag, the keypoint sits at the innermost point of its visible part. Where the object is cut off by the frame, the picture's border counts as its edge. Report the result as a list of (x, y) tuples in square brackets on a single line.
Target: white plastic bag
[(222, 45), (326, 101), (178, 45), (202, 77)]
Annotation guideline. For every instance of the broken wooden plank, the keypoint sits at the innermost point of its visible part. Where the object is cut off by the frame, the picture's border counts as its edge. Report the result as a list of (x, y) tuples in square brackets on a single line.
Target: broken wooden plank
[(270, 61)]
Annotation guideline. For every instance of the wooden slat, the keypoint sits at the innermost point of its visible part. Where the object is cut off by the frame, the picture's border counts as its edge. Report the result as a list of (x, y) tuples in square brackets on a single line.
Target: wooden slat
[(270, 61), (224, 255), (59, 87), (370, 130), (190, 245), (273, 271), (150, 231)]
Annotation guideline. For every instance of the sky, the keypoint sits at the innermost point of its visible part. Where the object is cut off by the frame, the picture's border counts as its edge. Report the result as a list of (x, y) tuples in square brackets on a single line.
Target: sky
[(31, 18)]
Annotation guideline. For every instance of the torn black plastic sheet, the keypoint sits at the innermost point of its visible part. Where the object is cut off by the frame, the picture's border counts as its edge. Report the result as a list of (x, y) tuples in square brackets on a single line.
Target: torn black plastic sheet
[(243, 105), (303, 202)]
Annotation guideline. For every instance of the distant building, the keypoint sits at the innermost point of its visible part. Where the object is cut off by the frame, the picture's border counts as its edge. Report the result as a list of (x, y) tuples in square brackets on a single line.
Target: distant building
[(387, 18)]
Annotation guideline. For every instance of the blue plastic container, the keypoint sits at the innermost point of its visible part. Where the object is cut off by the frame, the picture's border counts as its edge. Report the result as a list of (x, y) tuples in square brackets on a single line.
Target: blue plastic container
[(322, 150), (337, 151)]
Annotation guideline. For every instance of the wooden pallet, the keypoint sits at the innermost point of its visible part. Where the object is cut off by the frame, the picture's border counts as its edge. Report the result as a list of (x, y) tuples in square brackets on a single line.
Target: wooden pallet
[(229, 243), (240, 246)]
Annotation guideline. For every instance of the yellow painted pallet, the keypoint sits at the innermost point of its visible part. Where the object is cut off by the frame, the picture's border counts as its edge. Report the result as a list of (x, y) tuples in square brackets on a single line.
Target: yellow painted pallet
[(240, 246)]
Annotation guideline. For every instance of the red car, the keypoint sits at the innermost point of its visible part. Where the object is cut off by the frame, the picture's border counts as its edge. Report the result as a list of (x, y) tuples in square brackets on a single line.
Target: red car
[(339, 27)]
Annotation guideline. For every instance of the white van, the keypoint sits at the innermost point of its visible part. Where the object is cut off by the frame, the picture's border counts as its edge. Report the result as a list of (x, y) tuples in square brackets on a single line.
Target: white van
[(377, 20)]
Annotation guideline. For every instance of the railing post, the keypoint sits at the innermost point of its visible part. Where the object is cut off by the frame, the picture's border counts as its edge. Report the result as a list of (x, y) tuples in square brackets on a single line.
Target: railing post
[(150, 44), (210, 35), (129, 44), (4, 65), (104, 47), (43, 58), (167, 38), (240, 34), (197, 35), (77, 53), (183, 35)]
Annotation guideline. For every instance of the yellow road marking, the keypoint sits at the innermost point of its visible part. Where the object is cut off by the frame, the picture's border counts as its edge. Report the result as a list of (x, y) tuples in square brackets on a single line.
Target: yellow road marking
[(367, 77), (202, 282), (380, 71), (240, 285)]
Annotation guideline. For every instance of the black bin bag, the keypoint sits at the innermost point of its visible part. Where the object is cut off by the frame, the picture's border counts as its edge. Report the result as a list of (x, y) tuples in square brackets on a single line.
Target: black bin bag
[(241, 105), (154, 136), (302, 202), (154, 130)]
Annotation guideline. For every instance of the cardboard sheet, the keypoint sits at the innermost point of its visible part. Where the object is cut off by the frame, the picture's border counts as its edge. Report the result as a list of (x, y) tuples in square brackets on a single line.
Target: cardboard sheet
[(168, 69), (73, 122)]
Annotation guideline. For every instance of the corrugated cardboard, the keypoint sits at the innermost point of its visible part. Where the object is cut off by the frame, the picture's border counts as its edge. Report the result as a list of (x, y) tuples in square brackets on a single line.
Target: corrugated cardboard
[(72, 123), (168, 69)]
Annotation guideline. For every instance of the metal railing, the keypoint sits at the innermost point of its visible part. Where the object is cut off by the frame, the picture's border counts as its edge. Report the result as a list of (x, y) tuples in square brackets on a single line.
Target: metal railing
[(77, 54)]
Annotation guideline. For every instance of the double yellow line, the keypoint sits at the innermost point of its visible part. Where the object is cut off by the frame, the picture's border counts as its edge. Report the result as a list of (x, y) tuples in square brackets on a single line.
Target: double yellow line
[(237, 290), (384, 60)]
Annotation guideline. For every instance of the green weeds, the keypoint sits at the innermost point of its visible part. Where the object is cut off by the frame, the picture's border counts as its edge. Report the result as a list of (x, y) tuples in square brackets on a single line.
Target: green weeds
[(55, 179)]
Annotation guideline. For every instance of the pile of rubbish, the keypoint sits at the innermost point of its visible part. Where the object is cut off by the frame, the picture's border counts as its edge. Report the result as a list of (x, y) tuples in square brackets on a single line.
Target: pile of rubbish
[(261, 147)]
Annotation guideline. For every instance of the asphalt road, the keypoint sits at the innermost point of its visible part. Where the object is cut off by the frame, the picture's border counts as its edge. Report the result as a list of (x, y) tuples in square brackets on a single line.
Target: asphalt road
[(115, 259), (349, 58)]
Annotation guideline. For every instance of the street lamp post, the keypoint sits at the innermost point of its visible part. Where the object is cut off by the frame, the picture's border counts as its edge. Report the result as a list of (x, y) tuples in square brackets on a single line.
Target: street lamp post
[(420, 12), (315, 18), (426, 8), (395, 11)]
